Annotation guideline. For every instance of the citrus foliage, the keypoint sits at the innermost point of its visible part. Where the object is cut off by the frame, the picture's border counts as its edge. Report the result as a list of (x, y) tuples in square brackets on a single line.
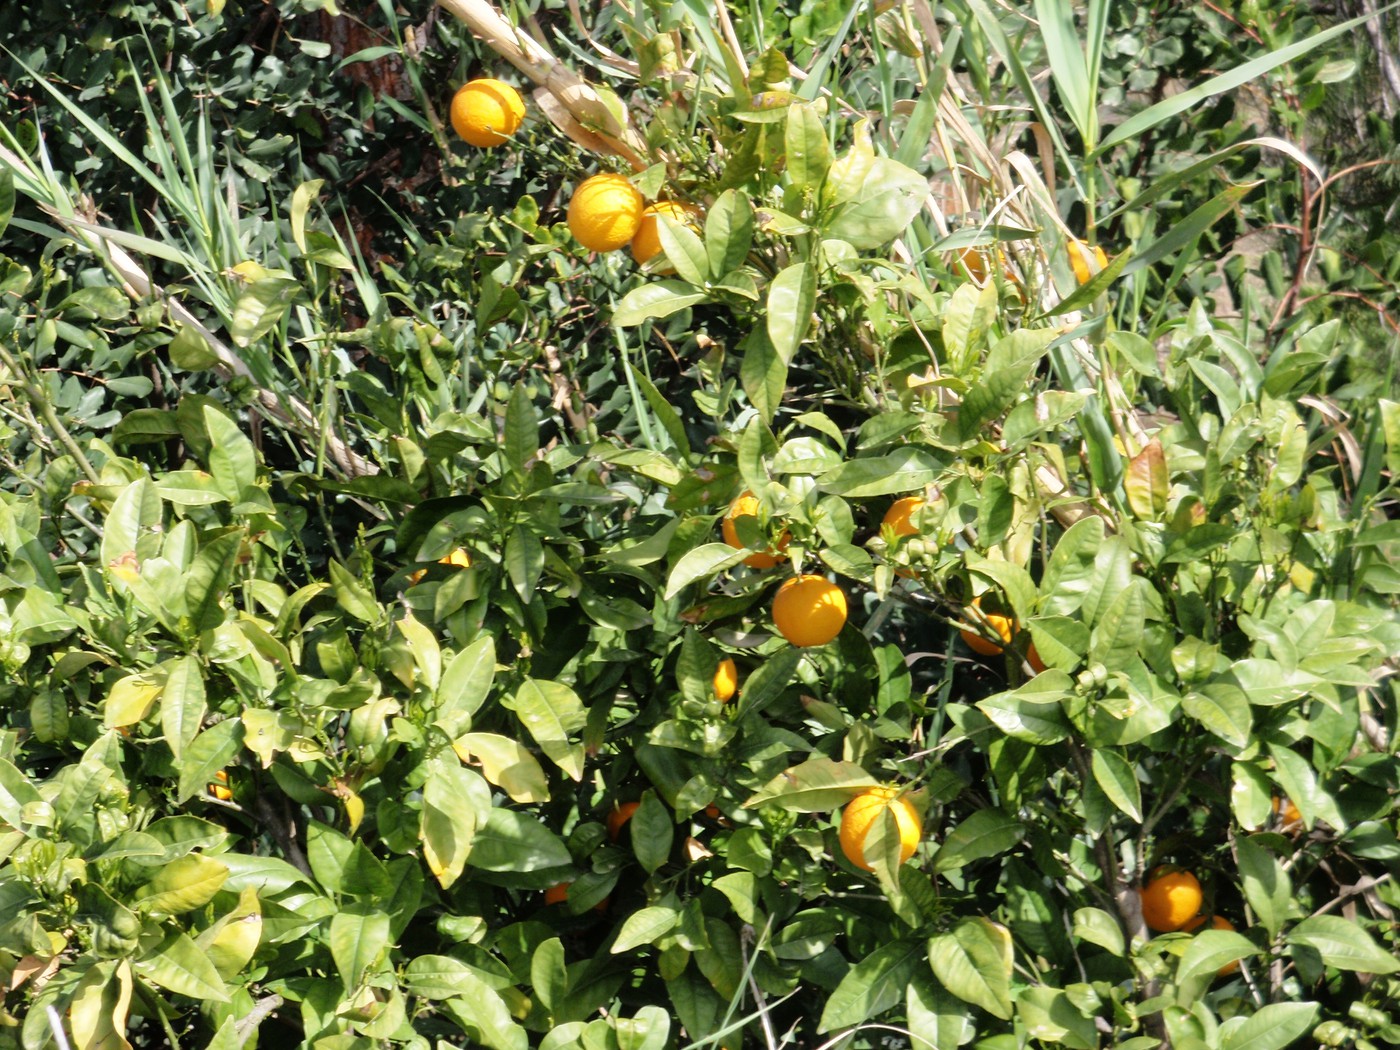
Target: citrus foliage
[(487, 643)]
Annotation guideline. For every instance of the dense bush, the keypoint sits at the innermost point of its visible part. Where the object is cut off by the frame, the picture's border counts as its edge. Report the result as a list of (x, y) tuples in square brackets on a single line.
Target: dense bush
[(369, 591)]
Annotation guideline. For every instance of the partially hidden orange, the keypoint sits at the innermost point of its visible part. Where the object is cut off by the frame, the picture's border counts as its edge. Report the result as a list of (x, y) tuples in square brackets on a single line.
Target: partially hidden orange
[(860, 815), (1171, 898), (746, 505), (646, 244), (1003, 626)]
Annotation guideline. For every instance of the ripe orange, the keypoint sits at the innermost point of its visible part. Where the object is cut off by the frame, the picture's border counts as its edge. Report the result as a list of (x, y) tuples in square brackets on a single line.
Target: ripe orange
[(1217, 922), (487, 112), (1033, 658), (746, 505), (619, 816), (897, 517), (1002, 625), (1080, 255), (646, 245), (219, 787), (860, 815), (605, 212), (558, 893), (1170, 899), (726, 680), (809, 610)]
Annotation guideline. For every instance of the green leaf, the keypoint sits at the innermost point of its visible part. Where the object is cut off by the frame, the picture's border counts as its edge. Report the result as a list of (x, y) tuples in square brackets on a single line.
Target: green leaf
[(969, 312), (808, 153), (645, 926), (511, 841), (684, 249), (182, 705), (178, 965), (763, 373), (878, 205), (984, 834), (902, 471), (1134, 126), (359, 939), (1271, 1027), (1210, 950), (524, 558), (182, 885), (1052, 1017), (302, 199), (261, 307), (16, 792), (701, 563), (549, 976), (1033, 712), (7, 199), (814, 786), (232, 458), (551, 711), (133, 525), (653, 831), (973, 961), (1119, 780), (465, 685), (656, 299), (937, 1020), (209, 579), (1343, 943), (767, 683), (871, 986), (522, 430), (454, 802), (209, 752), (792, 300), (1099, 927), (484, 1015), (729, 232), (1223, 709), (1265, 882), (353, 596)]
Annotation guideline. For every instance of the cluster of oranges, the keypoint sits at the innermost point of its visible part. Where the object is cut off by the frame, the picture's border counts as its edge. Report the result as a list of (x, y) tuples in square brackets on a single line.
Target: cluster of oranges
[(1171, 902), (606, 211)]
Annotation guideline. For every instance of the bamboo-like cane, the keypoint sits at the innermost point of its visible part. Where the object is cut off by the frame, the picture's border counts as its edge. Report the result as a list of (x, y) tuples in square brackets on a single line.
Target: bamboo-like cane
[(570, 102)]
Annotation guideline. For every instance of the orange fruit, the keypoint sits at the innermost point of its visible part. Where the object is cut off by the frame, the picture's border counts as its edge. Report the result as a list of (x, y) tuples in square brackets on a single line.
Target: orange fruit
[(605, 212), (461, 558), (1002, 625), (219, 787), (1170, 899), (646, 245), (746, 505), (619, 816), (809, 610), (1288, 813), (1217, 922), (860, 815), (1033, 658), (897, 517), (1080, 255), (487, 112), (726, 680), (559, 894)]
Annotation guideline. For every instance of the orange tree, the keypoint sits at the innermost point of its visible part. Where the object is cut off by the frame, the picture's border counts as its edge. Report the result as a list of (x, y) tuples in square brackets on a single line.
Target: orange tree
[(389, 659)]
